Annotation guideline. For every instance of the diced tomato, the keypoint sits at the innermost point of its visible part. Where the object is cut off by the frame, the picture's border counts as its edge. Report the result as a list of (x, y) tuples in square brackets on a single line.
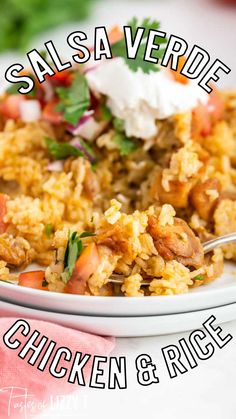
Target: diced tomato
[(50, 114), (3, 211), (10, 106), (85, 266), (215, 106), (33, 279), (201, 123), (115, 34), (180, 78), (61, 78), (205, 116)]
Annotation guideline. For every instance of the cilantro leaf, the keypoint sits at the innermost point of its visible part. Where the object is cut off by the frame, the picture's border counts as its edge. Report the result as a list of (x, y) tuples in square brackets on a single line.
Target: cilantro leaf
[(124, 144), (88, 151), (48, 230), (199, 278), (106, 113), (119, 47), (61, 151), (74, 100), (74, 249), (87, 234), (44, 283), (146, 66), (13, 89), (21, 21), (146, 23), (118, 124)]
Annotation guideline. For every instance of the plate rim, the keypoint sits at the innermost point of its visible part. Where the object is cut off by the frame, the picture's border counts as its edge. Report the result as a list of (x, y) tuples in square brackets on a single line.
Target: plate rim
[(46, 310), (54, 295), (207, 296)]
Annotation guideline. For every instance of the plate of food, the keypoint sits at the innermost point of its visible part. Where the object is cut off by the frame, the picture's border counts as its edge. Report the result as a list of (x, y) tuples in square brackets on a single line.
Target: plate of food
[(111, 179)]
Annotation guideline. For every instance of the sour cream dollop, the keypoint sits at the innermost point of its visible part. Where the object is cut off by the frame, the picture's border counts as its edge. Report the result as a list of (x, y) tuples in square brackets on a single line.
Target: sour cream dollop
[(140, 99)]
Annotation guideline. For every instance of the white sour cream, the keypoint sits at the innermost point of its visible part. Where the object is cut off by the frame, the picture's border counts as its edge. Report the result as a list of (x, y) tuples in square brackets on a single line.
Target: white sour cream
[(140, 99)]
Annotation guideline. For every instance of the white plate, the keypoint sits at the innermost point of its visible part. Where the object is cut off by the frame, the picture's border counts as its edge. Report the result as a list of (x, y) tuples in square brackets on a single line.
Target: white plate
[(219, 292), (125, 326)]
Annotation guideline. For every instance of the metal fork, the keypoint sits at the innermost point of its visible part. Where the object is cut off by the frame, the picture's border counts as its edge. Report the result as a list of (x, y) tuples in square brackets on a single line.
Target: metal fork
[(207, 247)]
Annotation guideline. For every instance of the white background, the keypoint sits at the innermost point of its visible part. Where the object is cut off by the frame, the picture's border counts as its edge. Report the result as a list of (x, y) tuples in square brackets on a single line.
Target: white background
[(208, 391)]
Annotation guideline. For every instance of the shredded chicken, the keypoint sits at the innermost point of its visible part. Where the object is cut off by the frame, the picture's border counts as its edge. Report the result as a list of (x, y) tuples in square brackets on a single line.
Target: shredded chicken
[(178, 193), (113, 238), (91, 185), (204, 197), (176, 242), (14, 251)]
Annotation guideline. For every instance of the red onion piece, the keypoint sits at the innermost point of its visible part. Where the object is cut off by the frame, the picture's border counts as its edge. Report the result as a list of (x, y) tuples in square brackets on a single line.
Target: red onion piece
[(92, 129), (48, 90), (77, 144), (56, 166), (30, 110), (74, 129)]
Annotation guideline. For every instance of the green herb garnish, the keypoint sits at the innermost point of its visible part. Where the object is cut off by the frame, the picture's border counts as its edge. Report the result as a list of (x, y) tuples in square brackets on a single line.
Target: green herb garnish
[(48, 230), (118, 124), (61, 151), (119, 47), (13, 89), (87, 234), (124, 144), (106, 113), (74, 249), (74, 100), (199, 278), (21, 21), (89, 151), (44, 283)]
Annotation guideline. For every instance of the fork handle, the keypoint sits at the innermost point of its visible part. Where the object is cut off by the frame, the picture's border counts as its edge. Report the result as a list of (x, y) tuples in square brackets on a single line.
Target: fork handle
[(218, 242)]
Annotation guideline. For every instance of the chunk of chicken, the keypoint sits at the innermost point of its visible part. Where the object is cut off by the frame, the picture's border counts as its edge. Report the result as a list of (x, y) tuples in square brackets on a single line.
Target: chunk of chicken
[(178, 194), (14, 251), (91, 185), (177, 242), (113, 238), (204, 197)]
